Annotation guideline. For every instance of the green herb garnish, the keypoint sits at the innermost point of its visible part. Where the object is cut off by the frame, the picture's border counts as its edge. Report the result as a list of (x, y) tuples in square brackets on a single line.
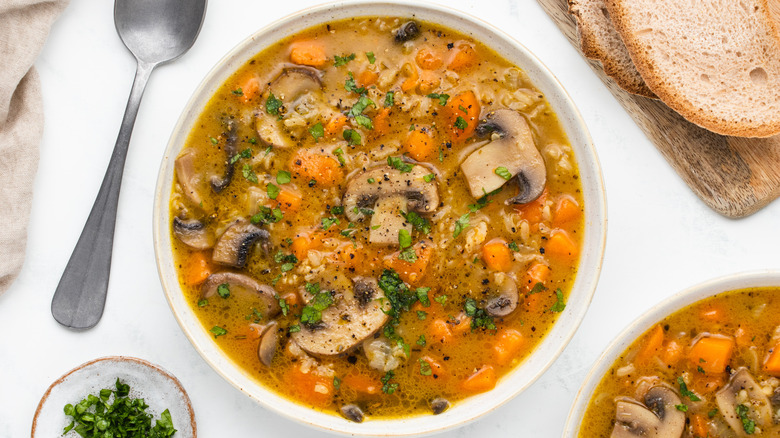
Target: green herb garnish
[(223, 290), (559, 303), (317, 131), (343, 60), (461, 124), (272, 105), (503, 172)]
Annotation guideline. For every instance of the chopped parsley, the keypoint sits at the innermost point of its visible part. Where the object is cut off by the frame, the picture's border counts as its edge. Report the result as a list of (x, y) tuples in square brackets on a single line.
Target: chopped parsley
[(312, 313), (685, 392), (461, 225), (559, 303), (422, 296), (682, 407), (272, 190), (267, 216), (400, 164), (351, 86), (214, 140), (327, 222), (425, 367), (429, 177), (238, 91), (421, 341), (538, 287), (352, 137), (387, 387), (371, 57), (218, 331), (317, 131), (397, 293), (461, 124), (479, 316), (419, 223), (246, 153), (272, 105), (513, 246), (283, 177), (747, 424), (223, 290), (339, 153), (283, 305), (421, 315), (404, 238), (343, 60), (390, 98), (442, 98), (441, 299), (203, 302), (249, 174), (294, 328), (337, 209), (503, 172), (336, 382)]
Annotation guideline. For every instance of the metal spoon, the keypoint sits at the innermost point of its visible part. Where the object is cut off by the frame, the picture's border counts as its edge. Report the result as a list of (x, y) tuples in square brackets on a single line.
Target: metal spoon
[(155, 31)]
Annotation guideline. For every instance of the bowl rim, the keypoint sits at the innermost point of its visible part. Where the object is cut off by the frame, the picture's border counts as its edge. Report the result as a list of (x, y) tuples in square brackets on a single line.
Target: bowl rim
[(594, 240), (651, 317)]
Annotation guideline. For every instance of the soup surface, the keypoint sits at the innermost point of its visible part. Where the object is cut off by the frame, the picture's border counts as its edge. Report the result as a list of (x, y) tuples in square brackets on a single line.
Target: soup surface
[(377, 217), (708, 370)]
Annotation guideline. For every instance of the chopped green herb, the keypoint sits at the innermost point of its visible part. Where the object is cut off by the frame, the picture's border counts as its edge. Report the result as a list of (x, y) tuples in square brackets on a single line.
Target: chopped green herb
[(442, 98), (503, 172), (327, 222), (700, 369), (441, 155), (411, 128), (218, 331), (421, 315), (351, 86), (312, 313), (360, 106), (267, 216), (682, 407), (364, 121), (336, 383), (238, 91), (352, 137), (421, 341), (317, 131), (371, 180), (400, 164), (272, 190), (340, 155), (387, 387), (397, 293), (429, 177), (479, 317), (371, 57), (283, 177), (461, 225), (246, 153), (461, 124), (419, 223), (337, 209), (203, 302), (253, 140), (462, 108), (343, 60), (283, 305), (684, 390), (441, 299), (404, 238), (249, 174), (559, 303), (267, 151), (294, 328), (214, 140), (422, 296), (390, 98), (223, 290), (272, 105), (425, 367), (747, 424), (287, 267), (712, 413), (408, 255), (513, 246), (538, 287)]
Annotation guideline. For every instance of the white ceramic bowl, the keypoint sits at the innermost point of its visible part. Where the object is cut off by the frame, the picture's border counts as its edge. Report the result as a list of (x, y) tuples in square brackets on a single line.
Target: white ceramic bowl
[(650, 319), (593, 241)]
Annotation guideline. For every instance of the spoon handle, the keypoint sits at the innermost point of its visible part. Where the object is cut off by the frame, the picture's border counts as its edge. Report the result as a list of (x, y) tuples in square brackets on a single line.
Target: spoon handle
[(81, 294)]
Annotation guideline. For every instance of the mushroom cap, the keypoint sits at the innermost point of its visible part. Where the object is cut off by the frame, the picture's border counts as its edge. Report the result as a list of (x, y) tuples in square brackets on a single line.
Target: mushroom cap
[(421, 196), (240, 283), (407, 32), (352, 413), (193, 233), (351, 319), (231, 148), (233, 245), (506, 302), (759, 405), (268, 343), (292, 83), (658, 417), (511, 147)]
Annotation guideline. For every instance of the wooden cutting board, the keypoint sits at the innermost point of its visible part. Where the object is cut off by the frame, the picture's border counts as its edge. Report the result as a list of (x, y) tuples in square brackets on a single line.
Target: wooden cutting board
[(734, 176)]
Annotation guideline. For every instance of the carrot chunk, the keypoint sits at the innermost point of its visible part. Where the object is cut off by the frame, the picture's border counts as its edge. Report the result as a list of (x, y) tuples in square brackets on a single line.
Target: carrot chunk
[(464, 57), (533, 211), (509, 342), (566, 212), (305, 242), (672, 353), (428, 59), (484, 379), (699, 426), (308, 52), (198, 269), (412, 76), (772, 362), (419, 145), (712, 353), (411, 272), (440, 331), (289, 200), (367, 77), (497, 256), (362, 383), (429, 81), (536, 273), (651, 346), (462, 113), (381, 122), (335, 125), (561, 247), (322, 169), (309, 388), (250, 89), (437, 370)]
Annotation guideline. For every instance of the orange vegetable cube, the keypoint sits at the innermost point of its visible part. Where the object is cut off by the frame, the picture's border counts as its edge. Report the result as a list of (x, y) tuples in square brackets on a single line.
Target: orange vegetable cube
[(561, 247), (464, 57), (289, 200), (362, 383), (566, 211), (437, 370), (651, 345), (497, 256), (429, 81), (672, 353), (411, 272), (198, 269), (308, 52), (484, 379), (250, 89), (419, 145), (440, 331), (536, 273), (462, 109), (509, 342), (335, 125), (323, 169), (305, 242), (428, 59), (367, 77), (712, 353), (772, 362)]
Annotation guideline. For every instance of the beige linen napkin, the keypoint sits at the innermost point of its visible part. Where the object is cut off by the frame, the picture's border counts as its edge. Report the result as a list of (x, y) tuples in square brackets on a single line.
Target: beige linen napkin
[(24, 26)]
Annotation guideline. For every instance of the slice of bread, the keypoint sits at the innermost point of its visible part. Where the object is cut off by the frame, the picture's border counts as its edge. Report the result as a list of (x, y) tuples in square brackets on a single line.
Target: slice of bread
[(600, 41), (716, 62)]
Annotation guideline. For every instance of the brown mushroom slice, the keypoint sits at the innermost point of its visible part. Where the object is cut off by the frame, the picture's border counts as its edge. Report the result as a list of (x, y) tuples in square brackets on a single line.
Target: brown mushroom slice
[(231, 149), (354, 316), (387, 192), (193, 233), (240, 283), (186, 175), (406, 32), (658, 417), (759, 408), (294, 82), (512, 148), (506, 302), (234, 244), (439, 405), (269, 340), (352, 413)]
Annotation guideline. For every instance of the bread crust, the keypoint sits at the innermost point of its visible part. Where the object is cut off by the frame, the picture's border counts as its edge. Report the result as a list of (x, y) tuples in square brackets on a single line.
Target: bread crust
[(717, 63), (600, 41)]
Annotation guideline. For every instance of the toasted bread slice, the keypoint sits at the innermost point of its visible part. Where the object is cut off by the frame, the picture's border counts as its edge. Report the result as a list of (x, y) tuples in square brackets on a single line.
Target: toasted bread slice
[(600, 41), (716, 62)]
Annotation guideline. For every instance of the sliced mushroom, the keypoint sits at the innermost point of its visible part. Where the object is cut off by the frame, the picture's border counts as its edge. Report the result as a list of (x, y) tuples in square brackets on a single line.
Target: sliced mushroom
[(744, 390), (506, 302), (290, 86), (231, 149), (268, 343), (233, 246), (512, 148), (387, 192), (193, 233), (658, 417), (347, 322), (240, 283), (186, 175), (439, 405), (408, 31), (352, 413)]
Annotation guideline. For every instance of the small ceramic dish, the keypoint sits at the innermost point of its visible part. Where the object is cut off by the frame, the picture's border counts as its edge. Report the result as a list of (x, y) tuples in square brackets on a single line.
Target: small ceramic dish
[(159, 389), (648, 320), (591, 255)]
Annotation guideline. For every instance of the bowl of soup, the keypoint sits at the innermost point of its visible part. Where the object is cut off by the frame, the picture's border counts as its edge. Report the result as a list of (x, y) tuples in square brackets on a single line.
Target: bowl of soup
[(376, 224), (703, 363)]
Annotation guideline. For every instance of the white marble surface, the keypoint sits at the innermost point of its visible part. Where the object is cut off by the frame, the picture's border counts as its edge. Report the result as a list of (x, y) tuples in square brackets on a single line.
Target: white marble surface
[(661, 237)]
